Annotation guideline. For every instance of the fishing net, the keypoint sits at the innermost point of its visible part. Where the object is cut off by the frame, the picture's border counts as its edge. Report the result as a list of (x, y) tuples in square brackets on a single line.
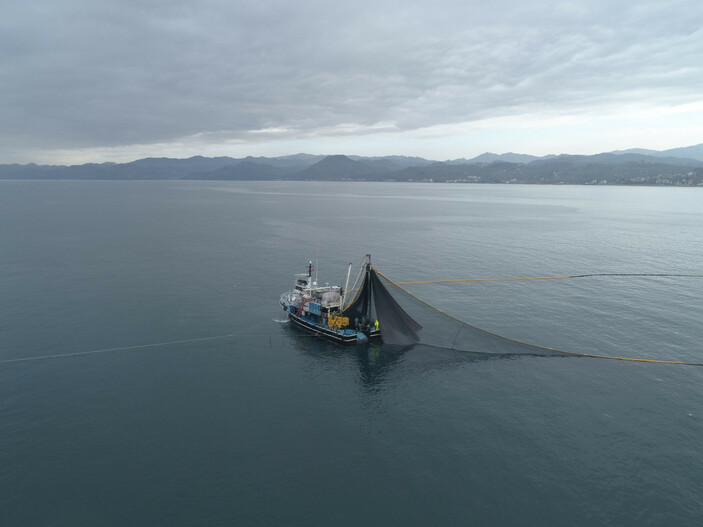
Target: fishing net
[(374, 302), (405, 319)]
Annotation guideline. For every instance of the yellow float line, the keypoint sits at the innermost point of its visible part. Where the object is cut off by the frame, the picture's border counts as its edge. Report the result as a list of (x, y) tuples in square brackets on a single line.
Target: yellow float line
[(660, 275), (478, 279)]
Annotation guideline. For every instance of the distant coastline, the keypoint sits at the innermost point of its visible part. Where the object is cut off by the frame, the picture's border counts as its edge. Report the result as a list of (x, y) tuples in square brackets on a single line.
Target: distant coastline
[(677, 167)]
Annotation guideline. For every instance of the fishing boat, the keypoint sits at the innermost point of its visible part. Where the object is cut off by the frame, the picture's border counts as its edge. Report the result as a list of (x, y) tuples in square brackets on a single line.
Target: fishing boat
[(372, 314), (321, 309)]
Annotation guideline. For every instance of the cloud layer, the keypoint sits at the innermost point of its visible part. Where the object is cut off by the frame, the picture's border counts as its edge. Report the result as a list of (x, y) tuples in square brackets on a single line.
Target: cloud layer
[(81, 74)]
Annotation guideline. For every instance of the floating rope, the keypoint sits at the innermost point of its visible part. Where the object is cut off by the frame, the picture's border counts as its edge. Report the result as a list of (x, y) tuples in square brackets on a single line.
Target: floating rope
[(660, 275), (125, 348), (537, 346)]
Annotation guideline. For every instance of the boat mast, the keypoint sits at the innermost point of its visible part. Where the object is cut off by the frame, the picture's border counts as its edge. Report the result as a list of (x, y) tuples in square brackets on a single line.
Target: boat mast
[(346, 285), (358, 277), (368, 277)]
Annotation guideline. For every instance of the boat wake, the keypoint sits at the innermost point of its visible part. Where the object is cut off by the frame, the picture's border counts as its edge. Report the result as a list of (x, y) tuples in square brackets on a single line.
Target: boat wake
[(281, 321)]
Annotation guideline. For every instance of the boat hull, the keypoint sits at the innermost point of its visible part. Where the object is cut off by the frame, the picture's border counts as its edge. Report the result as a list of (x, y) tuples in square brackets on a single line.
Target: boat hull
[(348, 337)]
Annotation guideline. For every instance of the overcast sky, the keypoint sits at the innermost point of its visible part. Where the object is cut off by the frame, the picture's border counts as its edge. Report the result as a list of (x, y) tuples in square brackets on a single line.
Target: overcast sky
[(108, 80)]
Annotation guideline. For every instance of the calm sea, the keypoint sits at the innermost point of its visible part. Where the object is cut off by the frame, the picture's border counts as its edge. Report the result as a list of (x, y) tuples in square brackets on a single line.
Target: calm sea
[(268, 426)]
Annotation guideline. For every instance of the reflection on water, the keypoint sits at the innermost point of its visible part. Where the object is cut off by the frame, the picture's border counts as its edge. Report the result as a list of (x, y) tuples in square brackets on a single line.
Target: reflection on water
[(376, 362), (373, 360)]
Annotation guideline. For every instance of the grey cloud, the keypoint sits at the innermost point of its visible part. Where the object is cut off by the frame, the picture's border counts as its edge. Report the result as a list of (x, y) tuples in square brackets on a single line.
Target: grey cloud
[(82, 74)]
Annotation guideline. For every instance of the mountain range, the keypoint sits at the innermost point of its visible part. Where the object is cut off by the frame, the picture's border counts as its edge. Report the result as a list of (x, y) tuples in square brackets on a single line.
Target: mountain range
[(677, 166)]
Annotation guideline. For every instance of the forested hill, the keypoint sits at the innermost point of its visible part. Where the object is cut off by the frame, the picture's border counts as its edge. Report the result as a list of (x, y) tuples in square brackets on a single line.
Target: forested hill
[(636, 167)]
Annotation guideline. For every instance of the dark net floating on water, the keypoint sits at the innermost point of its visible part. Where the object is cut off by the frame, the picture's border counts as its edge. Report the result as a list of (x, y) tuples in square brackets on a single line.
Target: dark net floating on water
[(442, 330), (405, 320)]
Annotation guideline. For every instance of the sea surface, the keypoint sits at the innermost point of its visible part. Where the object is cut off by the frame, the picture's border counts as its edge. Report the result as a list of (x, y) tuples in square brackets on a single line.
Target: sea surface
[(148, 376)]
